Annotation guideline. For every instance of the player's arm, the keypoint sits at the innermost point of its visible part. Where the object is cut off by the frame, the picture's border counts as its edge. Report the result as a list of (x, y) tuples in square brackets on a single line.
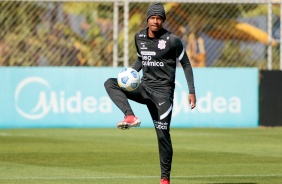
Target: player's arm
[(137, 65), (182, 57)]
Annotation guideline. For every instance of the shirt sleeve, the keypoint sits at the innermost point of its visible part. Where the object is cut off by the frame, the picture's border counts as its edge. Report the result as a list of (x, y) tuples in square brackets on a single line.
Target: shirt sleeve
[(137, 65), (182, 57)]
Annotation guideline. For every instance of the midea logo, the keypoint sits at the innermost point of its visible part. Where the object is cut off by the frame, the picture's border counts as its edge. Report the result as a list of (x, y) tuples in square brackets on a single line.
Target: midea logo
[(20, 87), (57, 102), (206, 104)]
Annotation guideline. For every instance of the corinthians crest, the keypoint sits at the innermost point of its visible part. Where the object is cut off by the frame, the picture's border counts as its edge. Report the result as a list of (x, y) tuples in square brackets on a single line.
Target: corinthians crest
[(161, 44)]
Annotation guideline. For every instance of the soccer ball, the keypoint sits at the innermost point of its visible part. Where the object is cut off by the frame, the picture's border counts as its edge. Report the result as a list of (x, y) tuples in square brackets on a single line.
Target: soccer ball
[(128, 79)]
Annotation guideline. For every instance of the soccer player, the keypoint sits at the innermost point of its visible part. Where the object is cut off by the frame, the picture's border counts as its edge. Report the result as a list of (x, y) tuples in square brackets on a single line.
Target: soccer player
[(158, 52)]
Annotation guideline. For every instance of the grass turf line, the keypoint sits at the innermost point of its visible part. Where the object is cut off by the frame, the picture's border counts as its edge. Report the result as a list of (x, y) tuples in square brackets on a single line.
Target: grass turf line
[(131, 157)]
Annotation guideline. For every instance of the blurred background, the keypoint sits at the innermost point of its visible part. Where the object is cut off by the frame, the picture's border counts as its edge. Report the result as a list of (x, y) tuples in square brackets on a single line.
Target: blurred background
[(215, 33)]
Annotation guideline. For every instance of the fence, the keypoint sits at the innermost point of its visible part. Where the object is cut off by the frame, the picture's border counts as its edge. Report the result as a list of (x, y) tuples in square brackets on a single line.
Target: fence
[(215, 33)]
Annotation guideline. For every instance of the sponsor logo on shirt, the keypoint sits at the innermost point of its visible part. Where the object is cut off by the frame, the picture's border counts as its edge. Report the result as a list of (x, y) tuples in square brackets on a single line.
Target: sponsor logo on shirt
[(148, 53), (147, 59), (152, 63)]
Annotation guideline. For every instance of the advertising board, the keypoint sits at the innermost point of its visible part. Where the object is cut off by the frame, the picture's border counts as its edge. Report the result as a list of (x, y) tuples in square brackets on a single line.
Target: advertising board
[(75, 97)]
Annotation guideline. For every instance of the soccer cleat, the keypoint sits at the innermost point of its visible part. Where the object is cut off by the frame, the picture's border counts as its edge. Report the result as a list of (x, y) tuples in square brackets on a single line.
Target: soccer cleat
[(128, 122), (164, 181)]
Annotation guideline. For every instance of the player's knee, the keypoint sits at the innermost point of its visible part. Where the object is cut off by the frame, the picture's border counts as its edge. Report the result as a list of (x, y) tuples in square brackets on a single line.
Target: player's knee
[(109, 83)]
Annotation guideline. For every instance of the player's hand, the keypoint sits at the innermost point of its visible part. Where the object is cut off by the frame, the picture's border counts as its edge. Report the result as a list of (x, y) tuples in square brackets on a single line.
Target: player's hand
[(192, 100)]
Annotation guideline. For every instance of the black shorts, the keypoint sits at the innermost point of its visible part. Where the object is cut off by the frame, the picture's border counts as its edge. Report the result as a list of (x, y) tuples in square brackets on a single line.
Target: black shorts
[(159, 105)]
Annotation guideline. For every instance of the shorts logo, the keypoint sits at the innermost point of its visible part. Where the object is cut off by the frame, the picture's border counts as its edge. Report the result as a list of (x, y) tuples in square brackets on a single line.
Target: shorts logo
[(161, 125)]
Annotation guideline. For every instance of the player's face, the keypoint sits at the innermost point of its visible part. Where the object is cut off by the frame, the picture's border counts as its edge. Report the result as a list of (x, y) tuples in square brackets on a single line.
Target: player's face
[(155, 23)]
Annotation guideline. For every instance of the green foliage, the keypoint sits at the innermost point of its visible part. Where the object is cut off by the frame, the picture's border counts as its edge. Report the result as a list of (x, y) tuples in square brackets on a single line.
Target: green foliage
[(29, 38), (233, 56), (33, 33), (218, 10), (261, 10), (276, 58)]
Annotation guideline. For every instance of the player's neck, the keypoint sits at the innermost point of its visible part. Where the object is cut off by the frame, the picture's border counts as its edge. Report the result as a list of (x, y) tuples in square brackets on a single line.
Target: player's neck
[(151, 34), (154, 34)]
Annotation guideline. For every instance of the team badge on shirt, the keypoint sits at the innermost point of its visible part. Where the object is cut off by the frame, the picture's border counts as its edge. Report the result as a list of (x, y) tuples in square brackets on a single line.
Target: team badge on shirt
[(161, 44)]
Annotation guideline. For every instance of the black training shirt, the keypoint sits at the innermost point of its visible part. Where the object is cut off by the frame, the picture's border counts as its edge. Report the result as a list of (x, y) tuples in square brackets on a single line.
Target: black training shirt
[(158, 57)]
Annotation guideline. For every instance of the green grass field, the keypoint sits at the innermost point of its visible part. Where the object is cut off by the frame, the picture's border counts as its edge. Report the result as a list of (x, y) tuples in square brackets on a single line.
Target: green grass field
[(113, 156)]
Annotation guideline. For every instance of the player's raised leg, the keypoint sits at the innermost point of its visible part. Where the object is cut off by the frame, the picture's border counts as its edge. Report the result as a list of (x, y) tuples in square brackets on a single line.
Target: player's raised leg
[(120, 98)]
